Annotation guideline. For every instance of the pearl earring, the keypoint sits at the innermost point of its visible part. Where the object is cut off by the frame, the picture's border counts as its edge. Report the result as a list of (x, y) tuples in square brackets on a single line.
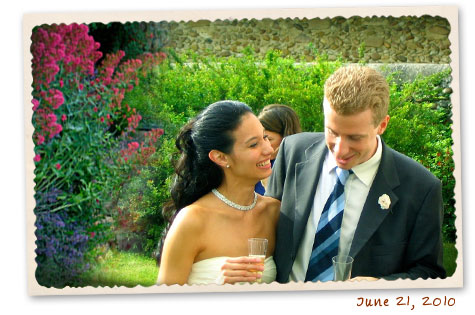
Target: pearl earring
[(227, 166)]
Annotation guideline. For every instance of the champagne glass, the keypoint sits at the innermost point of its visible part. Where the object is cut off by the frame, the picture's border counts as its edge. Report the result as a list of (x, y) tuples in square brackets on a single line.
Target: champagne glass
[(257, 249), (342, 265)]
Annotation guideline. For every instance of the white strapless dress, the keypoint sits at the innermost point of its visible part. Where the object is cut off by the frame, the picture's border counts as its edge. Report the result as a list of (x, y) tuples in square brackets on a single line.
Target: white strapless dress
[(209, 270)]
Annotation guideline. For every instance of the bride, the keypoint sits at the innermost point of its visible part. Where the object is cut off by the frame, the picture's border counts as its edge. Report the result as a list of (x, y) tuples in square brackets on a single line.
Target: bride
[(224, 153)]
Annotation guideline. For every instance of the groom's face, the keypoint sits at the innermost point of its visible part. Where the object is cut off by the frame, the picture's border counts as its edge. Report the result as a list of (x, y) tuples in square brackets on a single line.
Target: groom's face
[(351, 138)]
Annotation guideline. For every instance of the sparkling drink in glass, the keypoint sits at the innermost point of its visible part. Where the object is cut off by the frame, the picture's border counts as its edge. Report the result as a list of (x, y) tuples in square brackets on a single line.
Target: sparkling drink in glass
[(257, 249)]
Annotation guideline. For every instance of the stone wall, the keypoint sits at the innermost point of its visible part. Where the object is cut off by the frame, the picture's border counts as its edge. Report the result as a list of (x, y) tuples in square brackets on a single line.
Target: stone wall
[(379, 39)]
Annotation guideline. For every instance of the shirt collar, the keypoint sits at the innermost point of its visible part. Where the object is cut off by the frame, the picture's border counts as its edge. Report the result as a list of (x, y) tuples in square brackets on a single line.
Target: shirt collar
[(364, 171), (367, 170)]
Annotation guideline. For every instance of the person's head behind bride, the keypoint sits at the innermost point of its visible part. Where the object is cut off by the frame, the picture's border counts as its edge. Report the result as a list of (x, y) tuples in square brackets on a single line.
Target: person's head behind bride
[(223, 154)]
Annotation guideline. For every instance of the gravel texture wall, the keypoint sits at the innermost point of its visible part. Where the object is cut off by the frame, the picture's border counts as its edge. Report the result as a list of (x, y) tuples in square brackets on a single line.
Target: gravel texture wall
[(408, 39)]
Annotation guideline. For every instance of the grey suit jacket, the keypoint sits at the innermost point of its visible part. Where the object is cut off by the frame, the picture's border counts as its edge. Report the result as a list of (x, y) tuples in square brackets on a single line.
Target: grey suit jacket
[(404, 241)]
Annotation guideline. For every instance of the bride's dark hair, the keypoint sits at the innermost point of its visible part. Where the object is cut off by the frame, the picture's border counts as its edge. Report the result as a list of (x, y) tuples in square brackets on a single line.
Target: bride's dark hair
[(195, 174)]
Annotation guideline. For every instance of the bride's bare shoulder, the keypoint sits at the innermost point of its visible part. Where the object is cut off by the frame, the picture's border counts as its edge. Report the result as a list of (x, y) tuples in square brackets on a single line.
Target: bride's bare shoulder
[(191, 217), (271, 202), (193, 212)]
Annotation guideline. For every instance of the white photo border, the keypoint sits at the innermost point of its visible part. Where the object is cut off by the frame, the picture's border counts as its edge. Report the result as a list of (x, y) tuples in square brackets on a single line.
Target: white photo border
[(32, 20)]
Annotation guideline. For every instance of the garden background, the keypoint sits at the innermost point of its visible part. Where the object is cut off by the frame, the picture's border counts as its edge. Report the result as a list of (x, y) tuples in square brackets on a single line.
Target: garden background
[(109, 99)]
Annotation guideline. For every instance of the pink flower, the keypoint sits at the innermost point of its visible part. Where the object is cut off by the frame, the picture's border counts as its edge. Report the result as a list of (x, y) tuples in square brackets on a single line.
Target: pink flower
[(58, 98), (36, 103), (37, 158), (109, 71), (95, 109), (63, 117), (81, 86), (58, 128), (51, 118), (58, 166), (133, 145), (61, 83), (102, 119), (40, 140), (92, 234)]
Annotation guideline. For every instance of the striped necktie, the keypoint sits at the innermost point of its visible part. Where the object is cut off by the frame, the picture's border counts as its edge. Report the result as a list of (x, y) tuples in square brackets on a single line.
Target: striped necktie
[(327, 237)]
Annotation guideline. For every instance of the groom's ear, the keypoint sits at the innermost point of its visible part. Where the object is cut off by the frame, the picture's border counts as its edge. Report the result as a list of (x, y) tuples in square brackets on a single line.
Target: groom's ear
[(383, 125), (218, 157)]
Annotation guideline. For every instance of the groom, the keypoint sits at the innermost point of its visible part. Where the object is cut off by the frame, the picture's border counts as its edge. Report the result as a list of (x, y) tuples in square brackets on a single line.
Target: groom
[(386, 209)]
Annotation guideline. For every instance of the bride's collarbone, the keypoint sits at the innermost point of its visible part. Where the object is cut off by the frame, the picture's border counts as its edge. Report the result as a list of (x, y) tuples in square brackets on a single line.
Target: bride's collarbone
[(238, 227), (242, 220)]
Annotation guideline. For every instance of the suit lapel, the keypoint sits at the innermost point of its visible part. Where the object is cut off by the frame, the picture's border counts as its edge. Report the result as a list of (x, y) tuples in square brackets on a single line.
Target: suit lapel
[(307, 174), (372, 216)]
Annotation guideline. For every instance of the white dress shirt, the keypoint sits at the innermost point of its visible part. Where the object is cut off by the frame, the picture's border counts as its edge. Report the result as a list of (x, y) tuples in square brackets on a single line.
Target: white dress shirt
[(356, 190)]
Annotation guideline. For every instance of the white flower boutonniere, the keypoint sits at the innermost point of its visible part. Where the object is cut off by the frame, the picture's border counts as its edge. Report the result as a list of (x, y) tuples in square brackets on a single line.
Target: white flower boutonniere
[(384, 202)]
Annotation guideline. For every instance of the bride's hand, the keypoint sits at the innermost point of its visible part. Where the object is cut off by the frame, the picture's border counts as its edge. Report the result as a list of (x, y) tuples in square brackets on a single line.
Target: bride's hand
[(240, 269)]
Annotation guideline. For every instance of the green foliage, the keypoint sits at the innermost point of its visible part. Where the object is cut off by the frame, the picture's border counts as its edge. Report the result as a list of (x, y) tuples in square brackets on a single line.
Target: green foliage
[(450, 258), (181, 90), (140, 201), (361, 52), (420, 125)]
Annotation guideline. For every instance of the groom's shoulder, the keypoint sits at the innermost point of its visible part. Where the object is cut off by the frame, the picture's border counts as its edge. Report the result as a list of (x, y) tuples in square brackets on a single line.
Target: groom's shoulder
[(408, 168)]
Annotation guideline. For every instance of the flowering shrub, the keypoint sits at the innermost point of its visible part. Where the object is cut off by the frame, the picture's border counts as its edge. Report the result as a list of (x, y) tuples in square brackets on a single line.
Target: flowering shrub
[(61, 242), (141, 199), (80, 123), (139, 154)]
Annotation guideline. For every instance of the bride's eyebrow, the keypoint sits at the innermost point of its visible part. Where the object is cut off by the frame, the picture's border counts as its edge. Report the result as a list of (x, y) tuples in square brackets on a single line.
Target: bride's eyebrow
[(250, 140)]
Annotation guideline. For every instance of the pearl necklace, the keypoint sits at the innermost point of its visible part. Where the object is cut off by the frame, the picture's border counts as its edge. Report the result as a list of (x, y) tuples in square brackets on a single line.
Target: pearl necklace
[(232, 204)]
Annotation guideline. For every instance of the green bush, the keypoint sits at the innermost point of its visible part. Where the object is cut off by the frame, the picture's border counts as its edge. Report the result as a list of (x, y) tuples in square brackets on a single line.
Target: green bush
[(140, 201), (420, 125), (177, 91)]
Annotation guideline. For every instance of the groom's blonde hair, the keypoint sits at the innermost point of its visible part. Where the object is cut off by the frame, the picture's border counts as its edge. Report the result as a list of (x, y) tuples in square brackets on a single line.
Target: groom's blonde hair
[(353, 89)]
